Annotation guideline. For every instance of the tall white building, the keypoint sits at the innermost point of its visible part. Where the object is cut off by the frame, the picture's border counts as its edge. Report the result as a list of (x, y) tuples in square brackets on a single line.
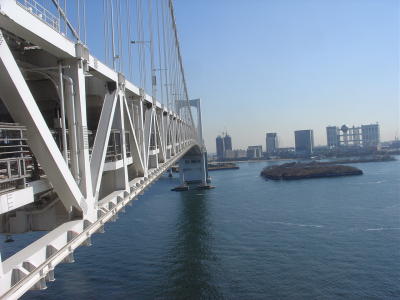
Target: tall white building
[(370, 135)]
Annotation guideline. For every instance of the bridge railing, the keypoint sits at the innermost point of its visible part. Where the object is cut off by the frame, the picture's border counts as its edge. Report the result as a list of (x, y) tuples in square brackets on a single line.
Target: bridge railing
[(41, 12), (15, 156)]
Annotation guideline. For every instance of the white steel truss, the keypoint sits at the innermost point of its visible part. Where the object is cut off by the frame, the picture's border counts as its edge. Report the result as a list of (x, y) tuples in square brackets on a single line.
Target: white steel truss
[(116, 141)]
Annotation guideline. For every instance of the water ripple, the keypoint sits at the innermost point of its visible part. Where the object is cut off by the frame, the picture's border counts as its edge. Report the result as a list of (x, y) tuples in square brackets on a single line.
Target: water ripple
[(296, 224)]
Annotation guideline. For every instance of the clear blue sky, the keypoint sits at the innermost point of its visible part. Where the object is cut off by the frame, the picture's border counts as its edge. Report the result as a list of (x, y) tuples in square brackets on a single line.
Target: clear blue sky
[(284, 65)]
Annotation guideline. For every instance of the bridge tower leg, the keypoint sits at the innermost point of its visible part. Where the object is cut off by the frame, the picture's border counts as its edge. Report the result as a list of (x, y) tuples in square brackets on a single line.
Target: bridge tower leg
[(193, 166), (193, 170)]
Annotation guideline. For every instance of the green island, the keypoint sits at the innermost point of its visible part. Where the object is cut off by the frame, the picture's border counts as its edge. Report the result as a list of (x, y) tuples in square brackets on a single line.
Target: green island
[(292, 171)]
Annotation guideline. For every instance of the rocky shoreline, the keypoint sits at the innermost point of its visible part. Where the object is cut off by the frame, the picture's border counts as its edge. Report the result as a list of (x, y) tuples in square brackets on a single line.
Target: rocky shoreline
[(293, 171)]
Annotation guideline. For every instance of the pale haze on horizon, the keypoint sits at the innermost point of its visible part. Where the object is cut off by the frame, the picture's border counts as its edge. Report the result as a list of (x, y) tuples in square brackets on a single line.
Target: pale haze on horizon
[(279, 66)]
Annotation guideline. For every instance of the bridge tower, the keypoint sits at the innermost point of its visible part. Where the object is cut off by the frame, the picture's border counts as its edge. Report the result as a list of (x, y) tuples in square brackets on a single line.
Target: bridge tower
[(193, 166)]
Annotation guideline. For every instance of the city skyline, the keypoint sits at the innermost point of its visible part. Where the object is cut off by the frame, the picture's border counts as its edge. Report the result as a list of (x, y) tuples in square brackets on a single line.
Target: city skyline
[(362, 136), (308, 65)]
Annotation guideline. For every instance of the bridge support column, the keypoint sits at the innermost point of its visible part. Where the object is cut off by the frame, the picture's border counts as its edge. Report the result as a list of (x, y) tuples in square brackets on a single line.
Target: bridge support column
[(1, 267), (193, 170), (78, 67)]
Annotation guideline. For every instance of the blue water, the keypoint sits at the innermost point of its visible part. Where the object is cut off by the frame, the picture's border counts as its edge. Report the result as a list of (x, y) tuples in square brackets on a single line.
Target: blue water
[(331, 238)]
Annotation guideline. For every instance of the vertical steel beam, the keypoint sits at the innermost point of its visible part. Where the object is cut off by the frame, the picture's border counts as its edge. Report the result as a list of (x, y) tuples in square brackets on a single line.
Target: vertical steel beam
[(76, 72), (73, 143), (142, 134), (121, 175), (101, 140), (160, 136), (148, 121), (135, 148)]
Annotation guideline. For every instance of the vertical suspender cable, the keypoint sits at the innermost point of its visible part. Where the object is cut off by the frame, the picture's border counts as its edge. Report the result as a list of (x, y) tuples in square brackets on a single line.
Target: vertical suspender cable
[(159, 54), (112, 33), (78, 7), (165, 53), (84, 20), (138, 37), (142, 45), (170, 64), (65, 11), (108, 38), (186, 94), (105, 31), (128, 24), (59, 17), (120, 50), (153, 75)]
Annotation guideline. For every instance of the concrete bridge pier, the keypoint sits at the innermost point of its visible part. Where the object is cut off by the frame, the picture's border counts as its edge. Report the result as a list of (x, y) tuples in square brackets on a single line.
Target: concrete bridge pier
[(193, 166), (193, 170)]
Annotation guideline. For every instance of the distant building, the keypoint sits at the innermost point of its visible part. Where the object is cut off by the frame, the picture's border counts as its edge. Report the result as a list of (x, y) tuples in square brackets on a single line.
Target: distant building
[(229, 154), (227, 142), (220, 147), (365, 136), (240, 153), (254, 152), (271, 143), (235, 154), (223, 145), (286, 150), (370, 135), (332, 136), (304, 141), (350, 136)]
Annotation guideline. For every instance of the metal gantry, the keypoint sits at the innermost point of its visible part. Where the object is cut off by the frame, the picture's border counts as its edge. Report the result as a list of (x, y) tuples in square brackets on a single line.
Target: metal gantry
[(78, 140)]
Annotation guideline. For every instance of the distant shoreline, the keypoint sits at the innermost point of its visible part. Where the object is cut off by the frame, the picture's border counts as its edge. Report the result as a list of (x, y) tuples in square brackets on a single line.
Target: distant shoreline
[(330, 160), (250, 160)]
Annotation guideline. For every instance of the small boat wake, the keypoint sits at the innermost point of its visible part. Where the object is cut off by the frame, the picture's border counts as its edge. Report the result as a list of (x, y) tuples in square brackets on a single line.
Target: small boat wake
[(298, 225), (369, 182), (382, 228)]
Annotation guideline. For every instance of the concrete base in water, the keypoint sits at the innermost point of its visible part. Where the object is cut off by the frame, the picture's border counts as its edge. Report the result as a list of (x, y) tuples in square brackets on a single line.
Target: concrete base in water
[(181, 188), (205, 187)]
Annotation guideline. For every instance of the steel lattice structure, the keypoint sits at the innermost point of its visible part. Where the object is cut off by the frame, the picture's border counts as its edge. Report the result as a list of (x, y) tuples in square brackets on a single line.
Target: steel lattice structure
[(85, 142)]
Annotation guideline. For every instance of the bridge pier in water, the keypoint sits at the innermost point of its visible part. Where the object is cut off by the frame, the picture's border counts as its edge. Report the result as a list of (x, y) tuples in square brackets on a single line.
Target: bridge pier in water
[(193, 170), (193, 166)]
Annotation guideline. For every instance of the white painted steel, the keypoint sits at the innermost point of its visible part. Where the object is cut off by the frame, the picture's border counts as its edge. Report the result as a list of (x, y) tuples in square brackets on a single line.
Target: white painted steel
[(89, 190)]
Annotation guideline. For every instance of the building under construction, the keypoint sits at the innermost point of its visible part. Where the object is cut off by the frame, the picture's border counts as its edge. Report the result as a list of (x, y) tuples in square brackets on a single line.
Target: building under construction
[(223, 144)]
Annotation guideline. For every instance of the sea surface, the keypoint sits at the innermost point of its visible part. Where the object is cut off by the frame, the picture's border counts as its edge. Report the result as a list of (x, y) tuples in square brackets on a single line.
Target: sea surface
[(330, 238)]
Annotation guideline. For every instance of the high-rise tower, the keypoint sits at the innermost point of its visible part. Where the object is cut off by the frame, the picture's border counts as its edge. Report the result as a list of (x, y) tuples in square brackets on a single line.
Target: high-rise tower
[(271, 142)]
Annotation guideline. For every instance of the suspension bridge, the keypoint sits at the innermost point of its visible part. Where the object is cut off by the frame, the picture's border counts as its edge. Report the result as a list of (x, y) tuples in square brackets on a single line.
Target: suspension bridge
[(78, 139)]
